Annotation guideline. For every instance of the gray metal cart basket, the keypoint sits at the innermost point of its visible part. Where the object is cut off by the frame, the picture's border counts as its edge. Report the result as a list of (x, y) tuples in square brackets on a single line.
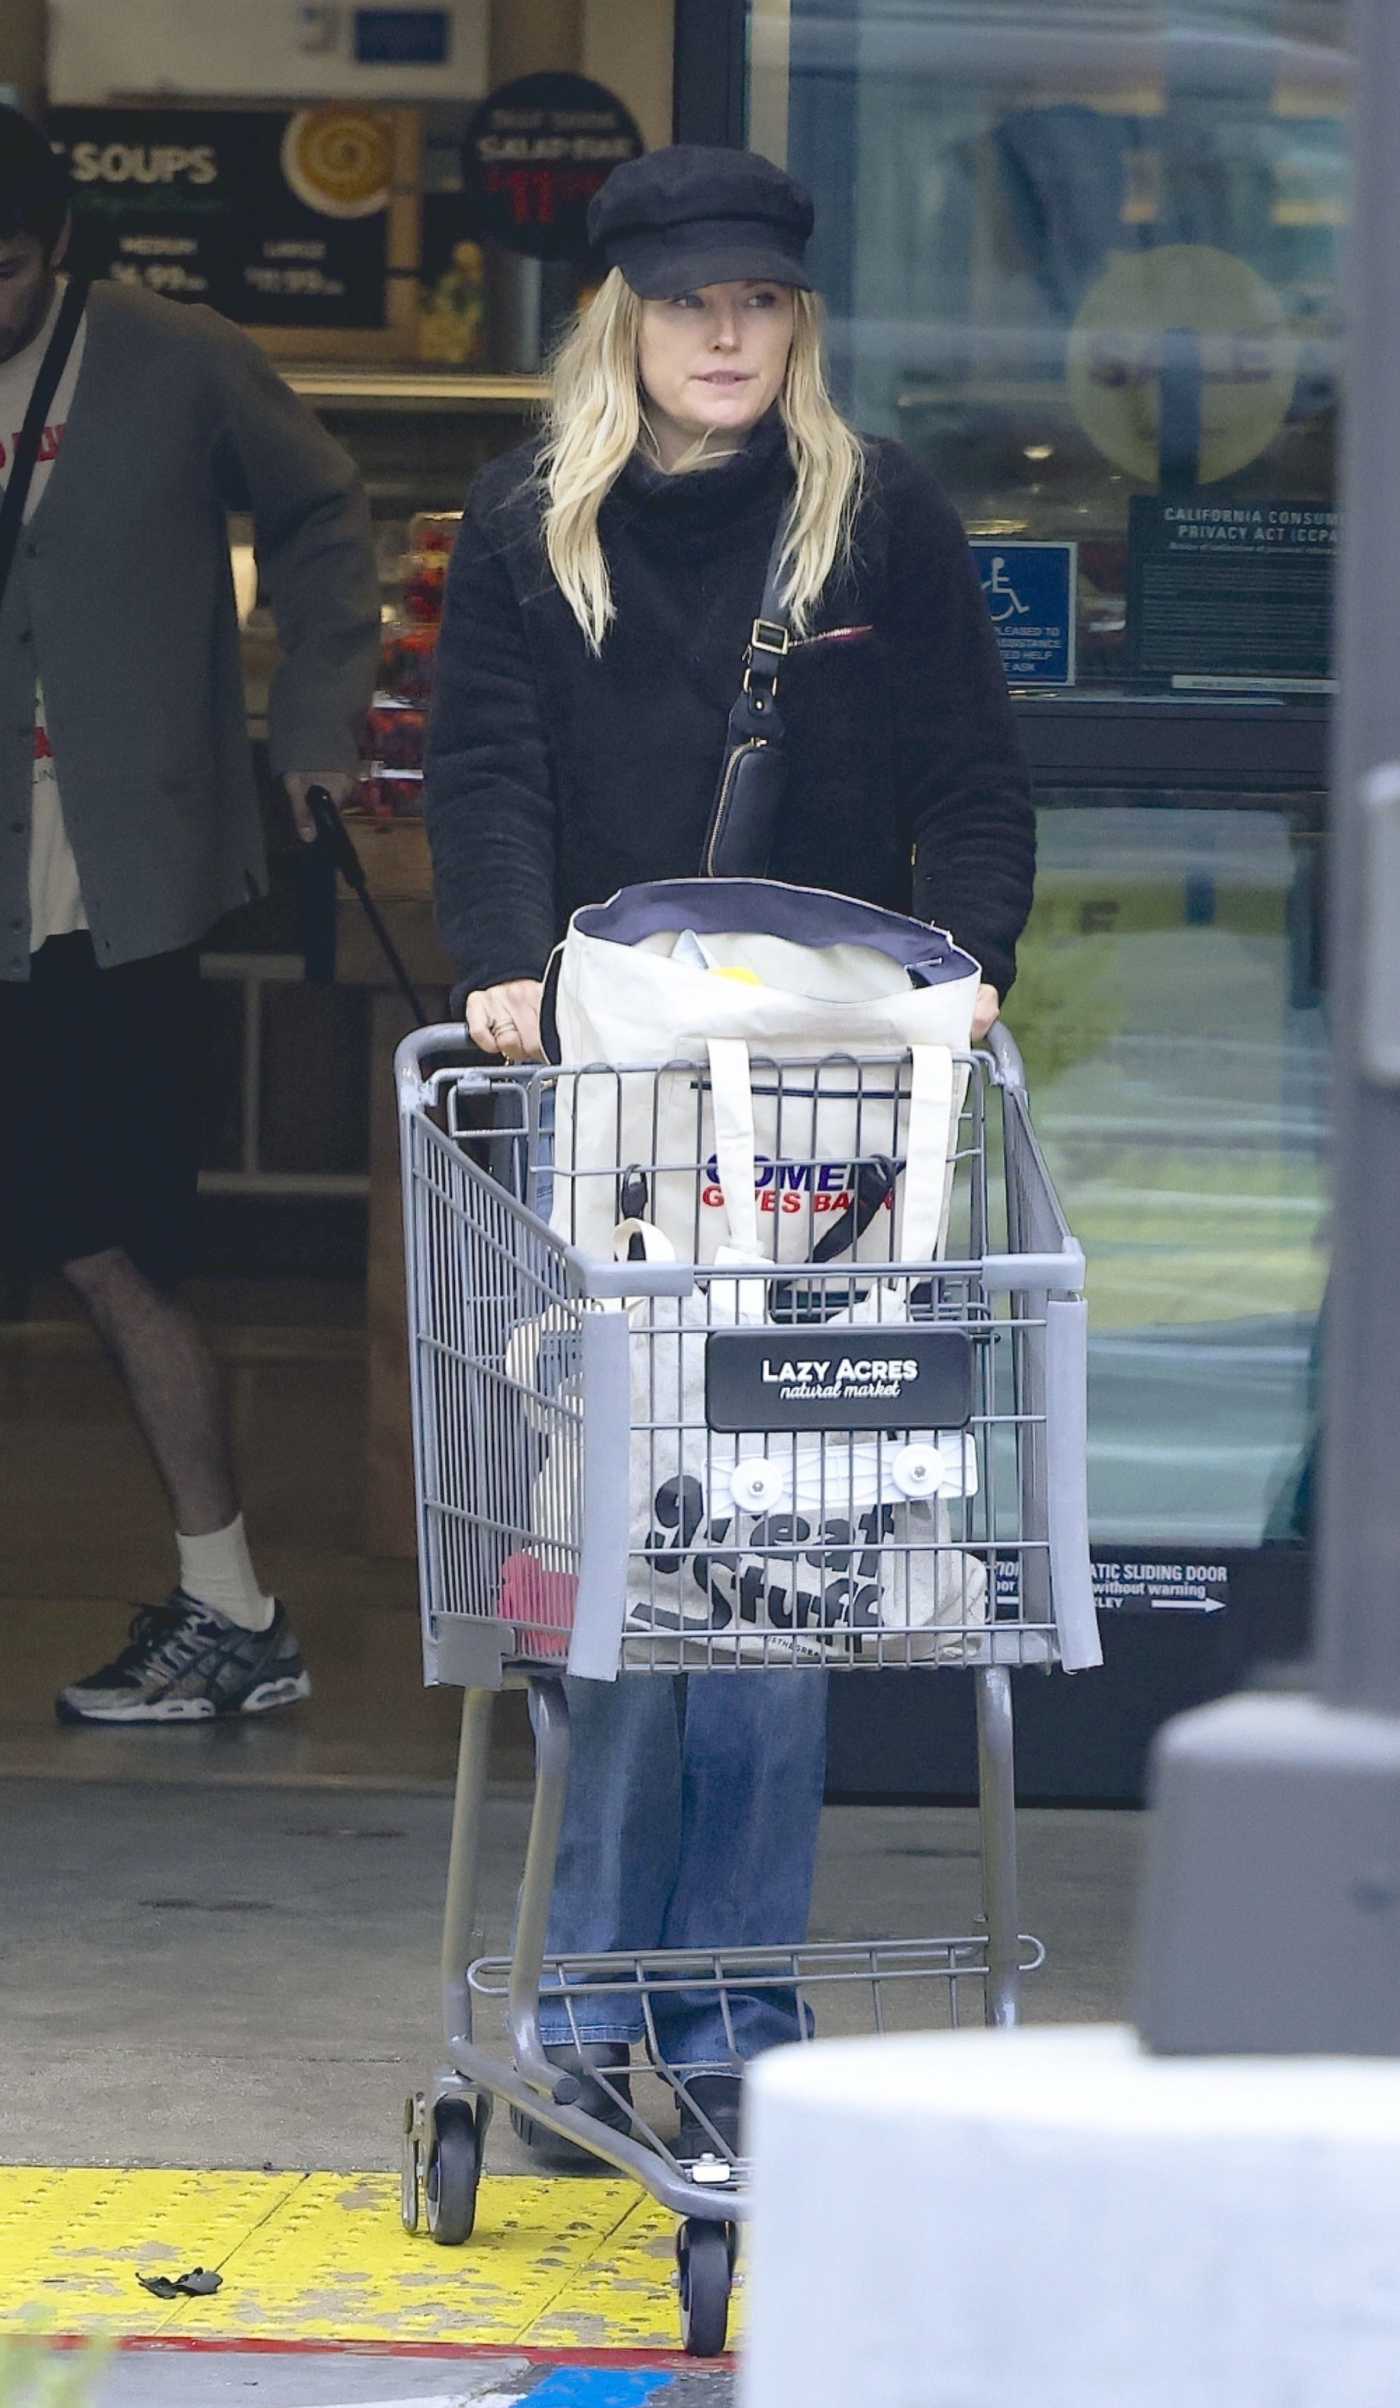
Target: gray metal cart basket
[(898, 1450)]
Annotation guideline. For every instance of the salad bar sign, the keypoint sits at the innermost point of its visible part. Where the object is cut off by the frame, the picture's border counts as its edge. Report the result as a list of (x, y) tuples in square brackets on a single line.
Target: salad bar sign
[(535, 153), (274, 218)]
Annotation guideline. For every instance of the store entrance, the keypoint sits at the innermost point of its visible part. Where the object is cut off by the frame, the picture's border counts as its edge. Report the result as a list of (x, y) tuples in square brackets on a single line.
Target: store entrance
[(1084, 264)]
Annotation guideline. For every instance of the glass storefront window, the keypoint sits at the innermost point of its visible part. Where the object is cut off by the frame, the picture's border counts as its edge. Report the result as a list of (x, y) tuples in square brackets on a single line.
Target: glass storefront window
[(1075, 254), (1173, 1029), (1083, 258)]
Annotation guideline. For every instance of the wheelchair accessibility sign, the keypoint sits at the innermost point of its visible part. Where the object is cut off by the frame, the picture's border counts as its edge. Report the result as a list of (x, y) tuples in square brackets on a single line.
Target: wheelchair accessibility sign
[(1031, 590)]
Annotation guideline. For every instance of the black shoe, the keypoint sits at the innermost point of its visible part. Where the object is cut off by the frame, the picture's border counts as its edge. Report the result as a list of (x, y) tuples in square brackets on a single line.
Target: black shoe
[(711, 2115), (185, 1663), (608, 2103)]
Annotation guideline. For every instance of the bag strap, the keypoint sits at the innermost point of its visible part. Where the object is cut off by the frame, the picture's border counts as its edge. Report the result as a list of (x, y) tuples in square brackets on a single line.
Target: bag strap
[(932, 1136), (932, 1132), (754, 718), (26, 451), (770, 637), (638, 1240), (736, 1145)]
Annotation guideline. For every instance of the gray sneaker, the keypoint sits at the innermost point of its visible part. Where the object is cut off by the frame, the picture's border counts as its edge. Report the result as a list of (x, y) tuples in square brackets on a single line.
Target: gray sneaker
[(184, 1663)]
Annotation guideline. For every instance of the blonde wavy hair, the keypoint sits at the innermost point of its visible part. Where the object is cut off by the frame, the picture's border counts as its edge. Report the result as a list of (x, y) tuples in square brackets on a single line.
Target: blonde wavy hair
[(597, 418)]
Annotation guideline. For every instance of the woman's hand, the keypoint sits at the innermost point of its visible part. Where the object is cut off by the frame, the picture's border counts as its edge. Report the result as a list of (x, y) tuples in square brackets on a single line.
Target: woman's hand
[(986, 1009), (505, 1020)]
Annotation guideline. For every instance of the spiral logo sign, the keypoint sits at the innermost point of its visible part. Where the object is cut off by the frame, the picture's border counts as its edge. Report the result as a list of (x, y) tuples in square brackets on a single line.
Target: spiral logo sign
[(339, 162)]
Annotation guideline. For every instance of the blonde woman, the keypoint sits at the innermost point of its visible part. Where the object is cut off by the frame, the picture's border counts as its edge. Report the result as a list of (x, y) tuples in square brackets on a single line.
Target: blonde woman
[(600, 597)]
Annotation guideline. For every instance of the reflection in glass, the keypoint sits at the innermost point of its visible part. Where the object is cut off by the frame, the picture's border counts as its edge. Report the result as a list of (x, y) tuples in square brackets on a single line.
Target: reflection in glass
[(1080, 254), (1172, 1022), (1075, 252)]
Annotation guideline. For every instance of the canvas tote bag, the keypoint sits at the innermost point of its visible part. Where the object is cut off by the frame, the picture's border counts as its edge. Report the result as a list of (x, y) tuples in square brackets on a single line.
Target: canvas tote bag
[(767, 1547), (716, 980)]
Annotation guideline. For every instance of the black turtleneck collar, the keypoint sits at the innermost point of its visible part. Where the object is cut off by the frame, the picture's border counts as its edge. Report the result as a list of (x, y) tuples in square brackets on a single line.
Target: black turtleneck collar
[(707, 497)]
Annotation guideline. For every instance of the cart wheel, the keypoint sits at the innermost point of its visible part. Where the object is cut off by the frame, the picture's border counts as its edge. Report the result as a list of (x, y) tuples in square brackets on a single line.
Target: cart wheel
[(412, 2161), (702, 2256), (453, 2172)]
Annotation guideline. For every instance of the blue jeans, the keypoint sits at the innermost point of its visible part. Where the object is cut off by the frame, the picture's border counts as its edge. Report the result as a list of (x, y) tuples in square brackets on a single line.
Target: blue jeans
[(691, 1822)]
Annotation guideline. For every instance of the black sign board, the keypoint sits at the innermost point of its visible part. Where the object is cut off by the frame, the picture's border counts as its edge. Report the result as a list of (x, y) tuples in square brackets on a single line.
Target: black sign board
[(535, 153), (1139, 1580), (274, 218), (1230, 590), (403, 37), (886, 1376)]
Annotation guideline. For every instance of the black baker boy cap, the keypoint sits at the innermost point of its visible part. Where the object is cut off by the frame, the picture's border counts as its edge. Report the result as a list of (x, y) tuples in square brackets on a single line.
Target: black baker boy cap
[(695, 214)]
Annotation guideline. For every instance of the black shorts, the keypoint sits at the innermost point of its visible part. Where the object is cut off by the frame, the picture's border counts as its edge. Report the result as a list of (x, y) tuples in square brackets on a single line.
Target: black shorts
[(101, 1108)]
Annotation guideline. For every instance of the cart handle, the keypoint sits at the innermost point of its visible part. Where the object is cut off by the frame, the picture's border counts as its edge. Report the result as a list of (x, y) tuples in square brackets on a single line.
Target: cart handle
[(421, 1046), (449, 1037), (1009, 1067)]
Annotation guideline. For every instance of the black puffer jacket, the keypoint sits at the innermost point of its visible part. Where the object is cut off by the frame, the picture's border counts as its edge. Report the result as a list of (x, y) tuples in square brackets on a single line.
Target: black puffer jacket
[(555, 777)]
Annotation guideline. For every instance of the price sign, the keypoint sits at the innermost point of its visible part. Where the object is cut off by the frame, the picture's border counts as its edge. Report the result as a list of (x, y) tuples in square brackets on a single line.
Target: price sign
[(535, 153), (274, 219)]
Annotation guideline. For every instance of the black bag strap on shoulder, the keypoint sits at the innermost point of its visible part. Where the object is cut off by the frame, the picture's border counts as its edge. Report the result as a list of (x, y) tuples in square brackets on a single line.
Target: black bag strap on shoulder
[(26, 451), (744, 815), (770, 642)]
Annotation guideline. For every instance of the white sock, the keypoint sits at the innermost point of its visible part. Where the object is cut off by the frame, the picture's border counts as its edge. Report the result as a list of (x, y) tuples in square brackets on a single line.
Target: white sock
[(217, 1571)]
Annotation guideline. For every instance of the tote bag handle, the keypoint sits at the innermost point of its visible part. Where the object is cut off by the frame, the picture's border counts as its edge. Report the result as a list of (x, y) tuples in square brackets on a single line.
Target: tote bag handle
[(930, 1133)]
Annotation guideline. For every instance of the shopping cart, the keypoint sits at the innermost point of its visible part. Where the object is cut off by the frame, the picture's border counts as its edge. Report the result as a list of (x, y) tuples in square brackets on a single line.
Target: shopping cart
[(550, 1387)]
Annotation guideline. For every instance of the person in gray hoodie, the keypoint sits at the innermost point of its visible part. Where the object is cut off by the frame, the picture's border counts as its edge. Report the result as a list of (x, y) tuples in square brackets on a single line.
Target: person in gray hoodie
[(129, 824)]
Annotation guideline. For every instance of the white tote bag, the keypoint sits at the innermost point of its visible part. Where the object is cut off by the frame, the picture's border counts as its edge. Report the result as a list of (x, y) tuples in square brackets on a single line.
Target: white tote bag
[(718, 979), (777, 1547), (783, 1546)]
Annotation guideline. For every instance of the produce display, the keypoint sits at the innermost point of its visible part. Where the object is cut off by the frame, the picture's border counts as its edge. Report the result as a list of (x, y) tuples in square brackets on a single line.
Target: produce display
[(391, 776)]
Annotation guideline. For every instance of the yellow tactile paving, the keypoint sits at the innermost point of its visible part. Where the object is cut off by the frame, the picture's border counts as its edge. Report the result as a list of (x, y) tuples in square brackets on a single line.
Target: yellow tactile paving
[(72, 2240), (622, 2314), (337, 2259), (552, 2264)]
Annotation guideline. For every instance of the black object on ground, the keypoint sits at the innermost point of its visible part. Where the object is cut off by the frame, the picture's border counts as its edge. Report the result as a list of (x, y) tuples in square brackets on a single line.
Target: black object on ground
[(197, 2284)]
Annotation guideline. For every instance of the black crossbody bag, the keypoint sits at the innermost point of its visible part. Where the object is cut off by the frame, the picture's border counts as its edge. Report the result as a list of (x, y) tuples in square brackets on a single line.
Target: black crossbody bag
[(739, 844), (748, 799), (26, 453)]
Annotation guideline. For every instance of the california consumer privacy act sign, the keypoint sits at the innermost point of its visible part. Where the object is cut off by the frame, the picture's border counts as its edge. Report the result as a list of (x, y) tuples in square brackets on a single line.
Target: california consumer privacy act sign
[(1231, 592), (1030, 591)]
